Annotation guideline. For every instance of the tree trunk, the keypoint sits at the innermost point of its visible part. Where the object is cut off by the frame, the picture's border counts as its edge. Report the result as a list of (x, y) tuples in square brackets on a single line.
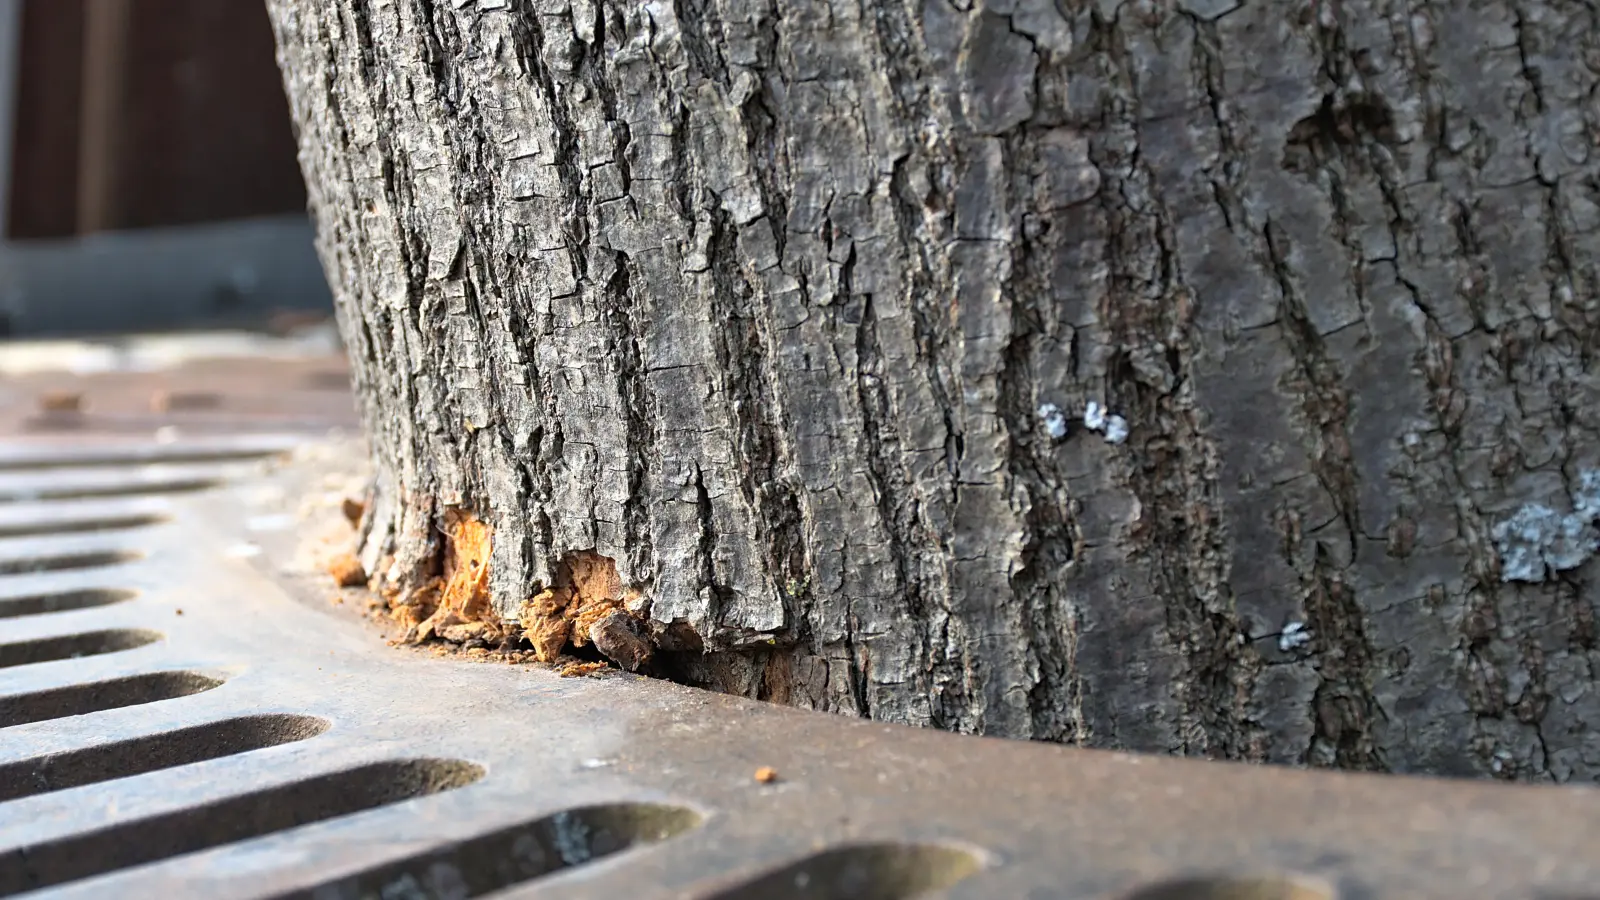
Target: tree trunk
[(751, 342)]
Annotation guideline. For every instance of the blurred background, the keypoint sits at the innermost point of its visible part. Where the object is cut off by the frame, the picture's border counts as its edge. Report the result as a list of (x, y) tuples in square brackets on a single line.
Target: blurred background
[(147, 172), (157, 276)]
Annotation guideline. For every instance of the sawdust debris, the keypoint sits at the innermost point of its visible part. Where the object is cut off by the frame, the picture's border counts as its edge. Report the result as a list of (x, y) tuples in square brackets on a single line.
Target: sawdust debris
[(347, 571), (581, 669)]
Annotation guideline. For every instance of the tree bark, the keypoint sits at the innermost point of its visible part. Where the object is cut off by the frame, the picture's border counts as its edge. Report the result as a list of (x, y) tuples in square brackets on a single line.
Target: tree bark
[(755, 338)]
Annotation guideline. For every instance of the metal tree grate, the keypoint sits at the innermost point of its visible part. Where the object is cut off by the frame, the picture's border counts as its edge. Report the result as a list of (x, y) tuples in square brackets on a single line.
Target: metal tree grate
[(176, 721)]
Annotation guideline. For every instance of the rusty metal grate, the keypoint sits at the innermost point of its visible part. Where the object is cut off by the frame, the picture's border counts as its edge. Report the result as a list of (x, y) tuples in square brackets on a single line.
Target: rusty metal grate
[(180, 717)]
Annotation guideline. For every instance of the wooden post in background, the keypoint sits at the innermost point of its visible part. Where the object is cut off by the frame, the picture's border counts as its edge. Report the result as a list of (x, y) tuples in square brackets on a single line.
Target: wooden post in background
[(105, 55), (10, 44)]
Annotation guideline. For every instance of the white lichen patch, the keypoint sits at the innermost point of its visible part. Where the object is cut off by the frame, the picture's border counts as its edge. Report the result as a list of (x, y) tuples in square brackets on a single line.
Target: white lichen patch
[(1094, 416), (1293, 636), (1537, 539), (1054, 421), (1586, 498), (1116, 429), (1571, 543), (1098, 418)]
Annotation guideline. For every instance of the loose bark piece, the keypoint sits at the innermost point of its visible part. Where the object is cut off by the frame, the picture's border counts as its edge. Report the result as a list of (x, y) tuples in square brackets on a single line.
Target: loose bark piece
[(347, 571)]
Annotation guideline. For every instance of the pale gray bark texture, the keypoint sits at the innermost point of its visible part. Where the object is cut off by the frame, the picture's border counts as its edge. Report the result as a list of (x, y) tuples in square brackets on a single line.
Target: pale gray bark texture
[(769, 301)]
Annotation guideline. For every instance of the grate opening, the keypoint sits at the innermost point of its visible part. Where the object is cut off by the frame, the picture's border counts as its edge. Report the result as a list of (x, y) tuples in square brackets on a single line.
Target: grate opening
[(1224, 888), (521, 853), (89, 643), (82, 699), (136, 756), (862, 872), (119, 489), (127, 457), (80, 526), (239, 818), (66, 561), (64, 601)]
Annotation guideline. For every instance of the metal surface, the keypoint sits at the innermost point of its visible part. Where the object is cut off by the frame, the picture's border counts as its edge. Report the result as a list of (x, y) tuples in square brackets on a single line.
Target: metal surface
[(184, 714)]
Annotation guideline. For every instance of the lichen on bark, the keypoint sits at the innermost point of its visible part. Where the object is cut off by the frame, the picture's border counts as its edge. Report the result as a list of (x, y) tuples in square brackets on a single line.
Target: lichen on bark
[(760, 300)]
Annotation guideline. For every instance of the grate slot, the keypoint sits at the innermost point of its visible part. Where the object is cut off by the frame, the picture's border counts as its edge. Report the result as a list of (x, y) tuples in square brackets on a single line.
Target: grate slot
[(169, 749), (89, 643), (63, 562), (80, 526), (239, 818), (118, 489), (64, 601), (130, 456), (862, 872), (1230, 888), (116, 693), (511, 856)]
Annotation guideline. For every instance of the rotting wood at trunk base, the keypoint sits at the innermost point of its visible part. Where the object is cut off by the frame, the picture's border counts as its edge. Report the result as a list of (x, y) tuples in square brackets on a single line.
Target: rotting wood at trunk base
[(586, 606), (454, 606)]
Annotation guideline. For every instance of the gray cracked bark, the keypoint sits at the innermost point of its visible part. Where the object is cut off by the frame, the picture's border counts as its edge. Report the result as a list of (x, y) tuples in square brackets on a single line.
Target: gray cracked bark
[(783, 305)]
